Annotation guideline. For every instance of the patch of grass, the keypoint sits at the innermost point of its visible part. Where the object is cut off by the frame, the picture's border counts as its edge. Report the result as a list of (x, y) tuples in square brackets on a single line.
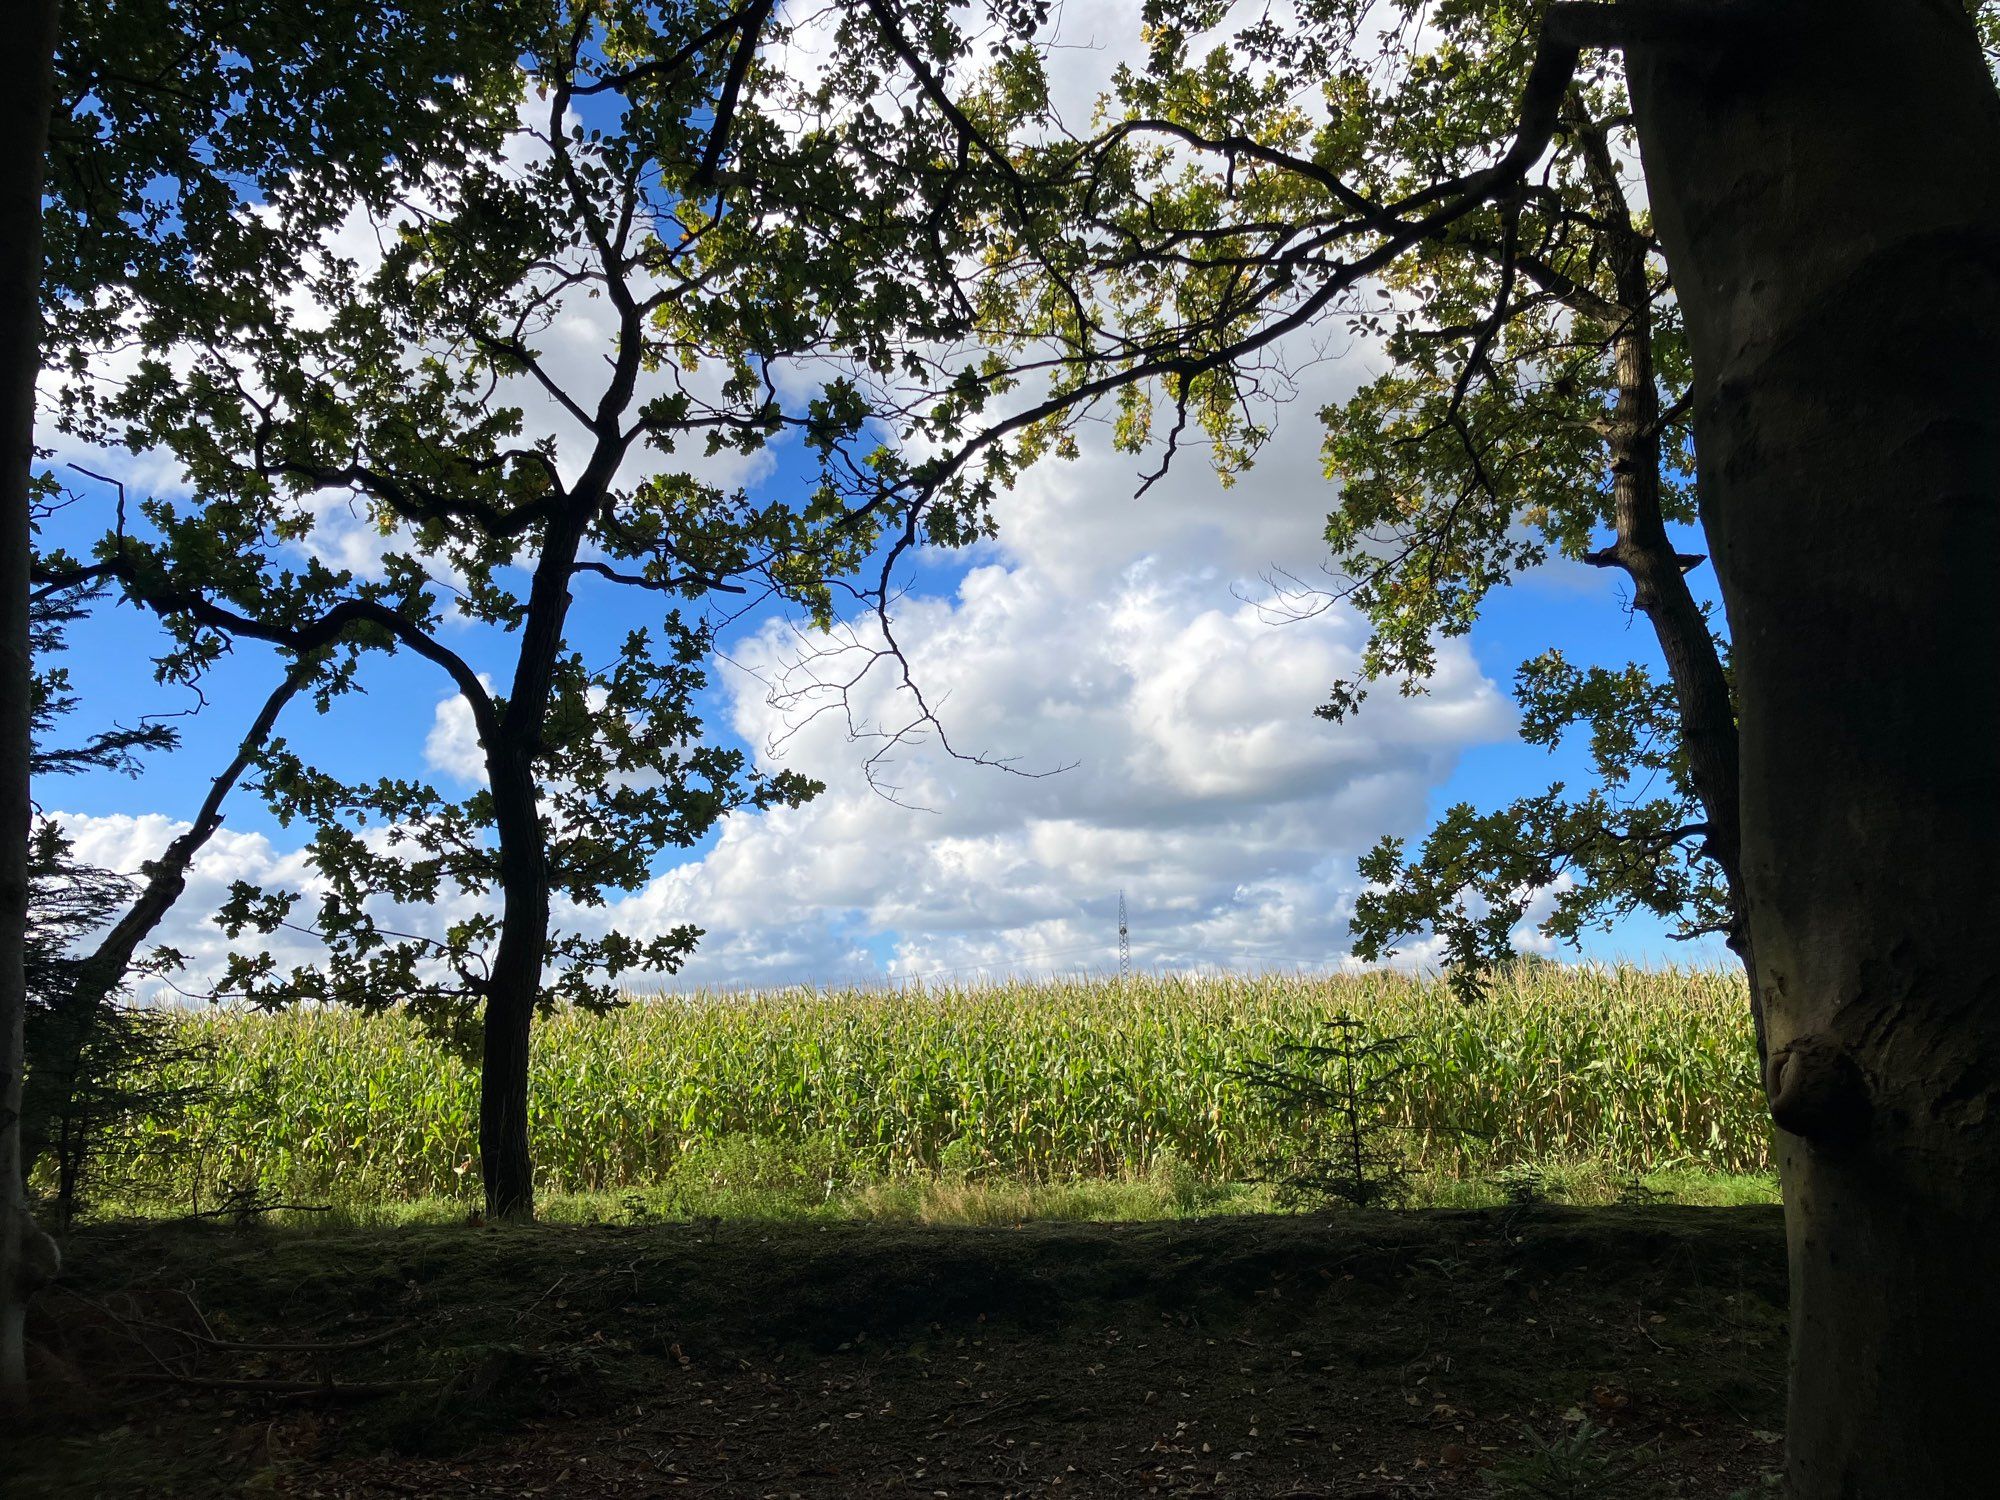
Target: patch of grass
[(946, 1198)]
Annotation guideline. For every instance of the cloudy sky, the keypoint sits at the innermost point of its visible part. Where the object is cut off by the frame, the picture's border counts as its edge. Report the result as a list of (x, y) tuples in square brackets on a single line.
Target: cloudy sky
[(1120, 654)]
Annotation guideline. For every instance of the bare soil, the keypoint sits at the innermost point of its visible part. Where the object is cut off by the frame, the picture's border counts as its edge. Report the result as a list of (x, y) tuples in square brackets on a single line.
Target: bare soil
[(1437, 1353)]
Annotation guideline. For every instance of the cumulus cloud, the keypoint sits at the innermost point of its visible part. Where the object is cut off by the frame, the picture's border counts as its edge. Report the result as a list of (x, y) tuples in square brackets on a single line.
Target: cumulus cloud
[(452, 746), (123, 843), (1157, 734), (1167, 749), (1155, 720), (1156, 726)]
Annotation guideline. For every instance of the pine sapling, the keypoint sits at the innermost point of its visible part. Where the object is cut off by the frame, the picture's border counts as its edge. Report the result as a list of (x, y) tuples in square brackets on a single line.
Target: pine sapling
[(1341, 1090)]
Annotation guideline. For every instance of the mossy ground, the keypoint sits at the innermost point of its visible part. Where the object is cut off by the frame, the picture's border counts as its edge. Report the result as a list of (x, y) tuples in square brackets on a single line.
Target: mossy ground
[(1443, 1352)]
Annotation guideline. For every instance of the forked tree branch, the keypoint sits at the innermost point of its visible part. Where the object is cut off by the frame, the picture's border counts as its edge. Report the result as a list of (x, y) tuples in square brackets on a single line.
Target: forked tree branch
[(302, 640)]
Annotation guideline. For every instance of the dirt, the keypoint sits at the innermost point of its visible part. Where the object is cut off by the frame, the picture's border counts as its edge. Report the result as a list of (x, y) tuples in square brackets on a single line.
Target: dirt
[(1557, 1352)]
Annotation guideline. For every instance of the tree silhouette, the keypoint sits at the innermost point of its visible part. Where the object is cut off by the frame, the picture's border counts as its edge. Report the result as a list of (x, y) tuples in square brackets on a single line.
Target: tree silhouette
[(657, 171), (137, 137)]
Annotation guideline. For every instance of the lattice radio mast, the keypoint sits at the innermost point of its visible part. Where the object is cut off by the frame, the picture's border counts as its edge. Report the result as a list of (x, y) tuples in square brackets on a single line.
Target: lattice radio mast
[(1124, 942)]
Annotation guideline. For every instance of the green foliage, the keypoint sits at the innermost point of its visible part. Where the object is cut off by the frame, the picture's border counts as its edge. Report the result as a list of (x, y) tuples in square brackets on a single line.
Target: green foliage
[(1337, 1094), (1257, 181), (52, 700), (1632, 1071), (1487, 449), (198, 150), (738, 1176), (1524, 1184), (91, 1060), (721, 242)]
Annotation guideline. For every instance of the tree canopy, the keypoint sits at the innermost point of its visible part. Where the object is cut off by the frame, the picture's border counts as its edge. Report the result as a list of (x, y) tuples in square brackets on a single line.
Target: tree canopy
[(1460, 196), (745, 235)]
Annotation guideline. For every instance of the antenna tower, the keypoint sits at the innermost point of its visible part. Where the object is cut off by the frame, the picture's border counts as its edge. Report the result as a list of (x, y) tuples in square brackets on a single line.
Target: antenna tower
[(1124, 942)]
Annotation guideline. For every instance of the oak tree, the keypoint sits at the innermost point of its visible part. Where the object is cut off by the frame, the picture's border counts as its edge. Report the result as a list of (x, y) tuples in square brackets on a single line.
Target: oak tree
[(723, 216), (134, 142)]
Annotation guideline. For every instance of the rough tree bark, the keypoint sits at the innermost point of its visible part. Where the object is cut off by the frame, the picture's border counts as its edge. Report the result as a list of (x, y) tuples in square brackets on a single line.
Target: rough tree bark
[(1829, 197), (26, 90), (514, 986)]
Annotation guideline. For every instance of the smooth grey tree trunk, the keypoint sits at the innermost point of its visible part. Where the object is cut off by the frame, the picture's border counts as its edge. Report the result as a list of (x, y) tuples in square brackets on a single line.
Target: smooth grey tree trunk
[(1828, 192), (26, 91)]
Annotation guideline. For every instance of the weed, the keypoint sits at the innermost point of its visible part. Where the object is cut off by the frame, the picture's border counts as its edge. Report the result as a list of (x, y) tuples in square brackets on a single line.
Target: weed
[(1575, 1465), (1523, 1184)]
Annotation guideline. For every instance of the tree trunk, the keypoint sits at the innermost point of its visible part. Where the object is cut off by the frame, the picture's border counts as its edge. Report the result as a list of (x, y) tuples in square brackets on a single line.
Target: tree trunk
[(26, 91), (513, 988), (101, 973), (1829, 198)]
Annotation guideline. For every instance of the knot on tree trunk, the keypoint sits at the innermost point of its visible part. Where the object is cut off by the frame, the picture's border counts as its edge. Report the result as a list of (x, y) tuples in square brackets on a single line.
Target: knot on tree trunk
[(1817, 1090)]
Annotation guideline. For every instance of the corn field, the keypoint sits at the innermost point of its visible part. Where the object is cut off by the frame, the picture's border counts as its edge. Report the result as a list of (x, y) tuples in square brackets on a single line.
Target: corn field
[(1639, 1070)]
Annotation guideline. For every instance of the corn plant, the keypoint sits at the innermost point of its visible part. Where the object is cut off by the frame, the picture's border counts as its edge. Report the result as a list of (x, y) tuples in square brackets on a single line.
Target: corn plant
[(1635, 1070)]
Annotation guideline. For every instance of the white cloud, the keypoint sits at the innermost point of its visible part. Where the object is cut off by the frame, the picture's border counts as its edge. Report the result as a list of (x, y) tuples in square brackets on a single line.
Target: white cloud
[(123, 843), (1109, 646), (452, 746), (1105, 642), (1102, 634), (1197, 781)]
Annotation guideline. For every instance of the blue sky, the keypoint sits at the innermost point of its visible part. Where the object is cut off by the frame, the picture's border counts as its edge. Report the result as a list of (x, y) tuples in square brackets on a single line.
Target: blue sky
[(1192, 901), (1117, 637)]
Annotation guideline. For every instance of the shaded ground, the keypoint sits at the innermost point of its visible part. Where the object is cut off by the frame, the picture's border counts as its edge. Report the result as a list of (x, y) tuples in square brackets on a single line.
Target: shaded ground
[(1559, 1352)]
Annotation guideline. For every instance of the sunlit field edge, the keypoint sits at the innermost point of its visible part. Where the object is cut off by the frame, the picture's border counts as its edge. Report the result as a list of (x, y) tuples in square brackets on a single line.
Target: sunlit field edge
[(1068, 1099)]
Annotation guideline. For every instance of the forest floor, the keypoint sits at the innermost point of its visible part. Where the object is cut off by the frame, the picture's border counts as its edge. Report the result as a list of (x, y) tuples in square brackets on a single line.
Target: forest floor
[(1554, 1352)]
